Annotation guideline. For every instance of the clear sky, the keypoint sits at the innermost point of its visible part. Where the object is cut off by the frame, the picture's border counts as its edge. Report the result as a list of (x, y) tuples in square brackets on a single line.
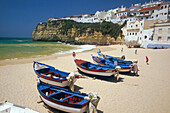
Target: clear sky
[(18, 18)]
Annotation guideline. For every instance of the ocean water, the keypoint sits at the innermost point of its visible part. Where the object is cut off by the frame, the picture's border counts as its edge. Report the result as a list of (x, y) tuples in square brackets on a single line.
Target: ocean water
[(16, 48)]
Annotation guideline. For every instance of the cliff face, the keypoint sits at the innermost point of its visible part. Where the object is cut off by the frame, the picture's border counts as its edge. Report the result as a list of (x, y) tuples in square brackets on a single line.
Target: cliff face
[(73, 32)]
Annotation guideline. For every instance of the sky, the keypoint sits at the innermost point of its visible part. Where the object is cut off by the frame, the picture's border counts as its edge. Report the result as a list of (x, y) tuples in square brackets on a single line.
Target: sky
[(18, 18)]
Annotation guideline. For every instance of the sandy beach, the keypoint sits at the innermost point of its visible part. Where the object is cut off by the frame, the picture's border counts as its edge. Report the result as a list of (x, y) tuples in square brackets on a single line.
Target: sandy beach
[(147, 93)]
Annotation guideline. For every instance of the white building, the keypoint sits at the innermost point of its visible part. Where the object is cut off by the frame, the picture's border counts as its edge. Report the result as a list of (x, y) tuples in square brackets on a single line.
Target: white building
[(99, 16), (161, 36), (111, 14), (152, 3), (140, 31), (162, 12)]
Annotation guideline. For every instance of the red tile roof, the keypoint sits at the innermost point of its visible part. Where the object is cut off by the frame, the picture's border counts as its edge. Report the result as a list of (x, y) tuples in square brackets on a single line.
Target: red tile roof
[(123, 11), (133, 6), (149, 8), (123, 16)]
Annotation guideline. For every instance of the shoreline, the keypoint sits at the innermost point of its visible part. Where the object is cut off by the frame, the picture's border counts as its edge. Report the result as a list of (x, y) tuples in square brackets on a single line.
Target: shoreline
[(42, 57), (146, 93)]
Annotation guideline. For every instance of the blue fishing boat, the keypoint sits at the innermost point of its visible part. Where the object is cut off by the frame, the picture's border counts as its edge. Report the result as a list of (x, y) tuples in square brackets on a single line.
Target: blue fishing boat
[(113, 59), (62, 99), (50, 75), (94, 69), (107, 62)]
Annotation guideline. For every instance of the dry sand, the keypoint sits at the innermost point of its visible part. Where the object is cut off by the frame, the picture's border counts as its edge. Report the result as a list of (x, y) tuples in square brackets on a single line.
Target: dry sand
[(147, 93)]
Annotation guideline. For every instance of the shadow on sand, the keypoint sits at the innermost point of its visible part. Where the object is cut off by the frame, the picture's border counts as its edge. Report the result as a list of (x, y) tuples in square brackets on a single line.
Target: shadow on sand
[(129, 74), (105, 78)]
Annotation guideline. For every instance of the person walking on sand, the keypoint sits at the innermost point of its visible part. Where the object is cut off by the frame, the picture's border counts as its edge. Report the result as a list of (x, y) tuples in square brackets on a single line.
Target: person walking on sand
[(135, 69), (122, 49), (74, 54), (136, 51), (99, 51), (147, 60)]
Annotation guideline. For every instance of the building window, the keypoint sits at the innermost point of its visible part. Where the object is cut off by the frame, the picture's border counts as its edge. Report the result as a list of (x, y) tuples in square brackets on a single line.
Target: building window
[(165, 6), (161, 7), (156, 15), (130, 33), (159, 38), (160, 31), (131, 26), (165, 13), (136, 25), (127, 34), (140, 32), (140, 38), (147, 12), (145, 37), (135, 33)]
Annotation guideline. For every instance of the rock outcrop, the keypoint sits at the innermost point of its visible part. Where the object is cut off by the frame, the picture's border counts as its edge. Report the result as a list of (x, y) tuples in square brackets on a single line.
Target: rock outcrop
[(78, 33)]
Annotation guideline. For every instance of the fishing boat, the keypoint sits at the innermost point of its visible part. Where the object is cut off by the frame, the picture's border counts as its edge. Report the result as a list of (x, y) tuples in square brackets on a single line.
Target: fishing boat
[(7, 107), (50, 75), (62, 99), (107, 62), (94, 69), (118, 59)]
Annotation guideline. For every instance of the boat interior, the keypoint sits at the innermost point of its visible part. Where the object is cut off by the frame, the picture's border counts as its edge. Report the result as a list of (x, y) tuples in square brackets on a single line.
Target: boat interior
[(50, 73), (62, 96)]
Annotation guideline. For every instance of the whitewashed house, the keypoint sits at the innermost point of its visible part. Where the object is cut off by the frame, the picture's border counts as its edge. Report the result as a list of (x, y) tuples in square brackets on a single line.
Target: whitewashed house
[(145, 13), (162, 12), (99, 16), (161, 36), (111, 14), (131, 31), (152, 3), (140, 31)]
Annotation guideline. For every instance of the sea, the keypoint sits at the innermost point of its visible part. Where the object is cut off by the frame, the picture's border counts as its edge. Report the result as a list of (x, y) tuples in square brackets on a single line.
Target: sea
[(17, 48)]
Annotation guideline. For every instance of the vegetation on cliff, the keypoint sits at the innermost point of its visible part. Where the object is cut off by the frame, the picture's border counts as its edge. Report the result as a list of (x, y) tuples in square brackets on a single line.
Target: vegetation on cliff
[(75, 32)]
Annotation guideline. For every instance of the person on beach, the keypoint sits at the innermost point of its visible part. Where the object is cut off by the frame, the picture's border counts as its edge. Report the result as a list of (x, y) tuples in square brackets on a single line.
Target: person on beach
[(136, 51), (99, 51), (135, 69), (147, 60), (74, 54), (122, 49)]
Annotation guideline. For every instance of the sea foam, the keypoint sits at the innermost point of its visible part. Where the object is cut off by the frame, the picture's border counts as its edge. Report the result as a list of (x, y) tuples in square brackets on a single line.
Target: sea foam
[(81, 48)]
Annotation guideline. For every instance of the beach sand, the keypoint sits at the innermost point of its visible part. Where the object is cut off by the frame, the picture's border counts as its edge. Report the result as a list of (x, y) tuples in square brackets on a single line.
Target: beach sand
[(147, 93)]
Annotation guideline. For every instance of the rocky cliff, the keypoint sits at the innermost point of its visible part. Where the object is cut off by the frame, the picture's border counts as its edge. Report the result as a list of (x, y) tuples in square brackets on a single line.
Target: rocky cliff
[(78, 33)]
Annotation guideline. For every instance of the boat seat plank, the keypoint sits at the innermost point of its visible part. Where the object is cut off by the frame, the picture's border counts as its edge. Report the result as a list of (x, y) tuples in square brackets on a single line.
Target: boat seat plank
[(53, 94)]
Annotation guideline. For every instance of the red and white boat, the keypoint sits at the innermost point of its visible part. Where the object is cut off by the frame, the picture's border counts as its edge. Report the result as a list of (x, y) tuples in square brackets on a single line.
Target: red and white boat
[(94, 69)]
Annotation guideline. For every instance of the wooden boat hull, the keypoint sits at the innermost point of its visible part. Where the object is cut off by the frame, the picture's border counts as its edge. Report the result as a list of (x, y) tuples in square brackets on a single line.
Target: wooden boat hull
[(118, 59), (122, 69), (93, 71), (44, 75), (96, 73), (62, 99), (60, 84), (64, 108)]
